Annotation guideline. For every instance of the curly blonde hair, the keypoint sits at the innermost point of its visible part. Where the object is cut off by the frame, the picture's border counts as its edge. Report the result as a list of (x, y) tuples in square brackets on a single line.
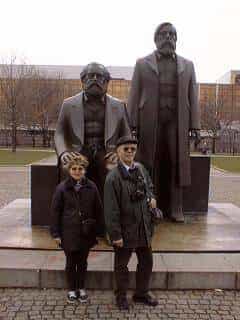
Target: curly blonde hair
[(79, 160)]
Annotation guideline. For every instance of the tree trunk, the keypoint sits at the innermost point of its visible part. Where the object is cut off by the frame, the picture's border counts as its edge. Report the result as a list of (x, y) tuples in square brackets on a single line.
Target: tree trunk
[(33, 140), (214, 145), (44, 140), (14, 129), (6, 137)]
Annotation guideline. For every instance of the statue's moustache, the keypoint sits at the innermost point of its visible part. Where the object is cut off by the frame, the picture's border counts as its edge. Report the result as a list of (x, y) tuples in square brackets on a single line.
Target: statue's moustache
[(168, 44), (92, 83)]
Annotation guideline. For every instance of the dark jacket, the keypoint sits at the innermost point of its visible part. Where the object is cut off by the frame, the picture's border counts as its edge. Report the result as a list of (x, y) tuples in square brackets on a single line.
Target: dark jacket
[(66, 222), (124, 217), (69, 135), (143, 106)]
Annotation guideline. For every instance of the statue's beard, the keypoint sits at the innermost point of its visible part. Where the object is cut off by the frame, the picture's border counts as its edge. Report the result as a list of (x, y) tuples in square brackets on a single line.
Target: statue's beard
[(167, 48), (94, 89)]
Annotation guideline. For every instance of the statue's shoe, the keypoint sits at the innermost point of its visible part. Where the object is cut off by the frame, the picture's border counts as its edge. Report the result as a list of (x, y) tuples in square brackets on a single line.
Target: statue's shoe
[(177, 217)]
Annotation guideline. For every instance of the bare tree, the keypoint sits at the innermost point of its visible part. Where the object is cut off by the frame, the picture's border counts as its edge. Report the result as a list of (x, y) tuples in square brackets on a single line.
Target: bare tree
[(230, 136), (15, 78), (47, 95), (4, 123), (210, 122)]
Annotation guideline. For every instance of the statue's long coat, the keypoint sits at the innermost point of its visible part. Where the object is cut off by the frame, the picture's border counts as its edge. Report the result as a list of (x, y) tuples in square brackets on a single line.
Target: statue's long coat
[(143, 106)]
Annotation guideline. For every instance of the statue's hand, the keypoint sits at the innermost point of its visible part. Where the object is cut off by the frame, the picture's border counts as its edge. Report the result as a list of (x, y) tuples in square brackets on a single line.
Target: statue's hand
[(134, 133), (195, 134), (111, 160), (58, 241), (69, 156)]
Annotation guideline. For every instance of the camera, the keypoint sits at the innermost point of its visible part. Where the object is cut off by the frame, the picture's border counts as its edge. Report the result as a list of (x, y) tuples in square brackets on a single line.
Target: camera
[(138, 191), (137, 195)]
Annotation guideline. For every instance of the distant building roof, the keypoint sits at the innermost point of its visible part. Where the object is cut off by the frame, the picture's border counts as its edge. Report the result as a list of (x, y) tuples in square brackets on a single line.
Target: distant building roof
[(73, 72), (230, 77)]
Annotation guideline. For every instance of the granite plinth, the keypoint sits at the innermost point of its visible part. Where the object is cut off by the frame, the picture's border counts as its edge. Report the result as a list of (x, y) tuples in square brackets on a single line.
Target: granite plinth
[(44, 178), (203, 253), (218, 231), (44, 269), (195, 197)]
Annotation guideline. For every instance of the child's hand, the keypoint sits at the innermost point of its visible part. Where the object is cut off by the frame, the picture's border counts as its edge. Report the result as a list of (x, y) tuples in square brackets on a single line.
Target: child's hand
[(118, 243), (111, 160), (153, 203), (58, 241)]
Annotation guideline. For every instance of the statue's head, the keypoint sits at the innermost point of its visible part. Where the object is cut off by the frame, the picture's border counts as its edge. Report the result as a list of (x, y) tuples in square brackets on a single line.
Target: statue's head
[(165, 38), (95, 78)]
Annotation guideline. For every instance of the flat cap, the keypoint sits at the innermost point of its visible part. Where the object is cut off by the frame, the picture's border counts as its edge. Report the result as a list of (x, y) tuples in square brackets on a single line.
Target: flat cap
[(126, 140)]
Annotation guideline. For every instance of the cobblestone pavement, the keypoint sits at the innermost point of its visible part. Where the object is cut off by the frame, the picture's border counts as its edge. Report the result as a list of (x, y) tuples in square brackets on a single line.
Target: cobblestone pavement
[(51, 304)]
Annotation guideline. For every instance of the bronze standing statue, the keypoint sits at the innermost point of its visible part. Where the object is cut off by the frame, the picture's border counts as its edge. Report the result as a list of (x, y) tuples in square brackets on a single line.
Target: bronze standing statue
[(90, 123), (163, 110)]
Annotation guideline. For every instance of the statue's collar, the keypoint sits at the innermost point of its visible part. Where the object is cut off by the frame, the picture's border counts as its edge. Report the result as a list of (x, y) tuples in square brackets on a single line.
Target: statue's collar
[(152, 61)]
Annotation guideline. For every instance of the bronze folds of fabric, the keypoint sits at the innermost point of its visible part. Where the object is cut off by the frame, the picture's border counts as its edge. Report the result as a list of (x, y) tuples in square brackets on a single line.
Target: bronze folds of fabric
[(168, 90)]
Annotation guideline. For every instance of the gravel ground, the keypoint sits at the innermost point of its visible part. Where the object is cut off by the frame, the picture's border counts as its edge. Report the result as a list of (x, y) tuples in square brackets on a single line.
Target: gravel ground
[(14, 184), (51, 304)]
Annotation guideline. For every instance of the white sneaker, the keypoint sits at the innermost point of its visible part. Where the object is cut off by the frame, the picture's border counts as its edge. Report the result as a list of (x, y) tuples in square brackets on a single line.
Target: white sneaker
[(72, 297), (83, 297)]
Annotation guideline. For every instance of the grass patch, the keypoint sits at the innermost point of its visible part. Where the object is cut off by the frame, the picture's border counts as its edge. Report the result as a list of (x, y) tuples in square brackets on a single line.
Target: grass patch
[(21, 157), (226, 163)]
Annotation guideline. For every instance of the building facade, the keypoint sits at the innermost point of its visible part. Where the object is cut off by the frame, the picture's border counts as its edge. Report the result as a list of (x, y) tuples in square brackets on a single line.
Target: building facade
[(230, 77)]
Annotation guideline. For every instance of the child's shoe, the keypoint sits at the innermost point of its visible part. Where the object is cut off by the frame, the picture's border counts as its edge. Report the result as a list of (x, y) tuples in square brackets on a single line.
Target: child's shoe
[(72, 296), (82, 296)]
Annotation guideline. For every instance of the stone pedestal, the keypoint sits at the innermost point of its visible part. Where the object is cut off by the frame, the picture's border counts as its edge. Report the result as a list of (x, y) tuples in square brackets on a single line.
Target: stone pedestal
[(44, 179), (195, 197)]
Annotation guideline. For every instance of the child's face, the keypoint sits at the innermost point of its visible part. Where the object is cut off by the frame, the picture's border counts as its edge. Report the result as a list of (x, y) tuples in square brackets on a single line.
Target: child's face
[(77, 172)]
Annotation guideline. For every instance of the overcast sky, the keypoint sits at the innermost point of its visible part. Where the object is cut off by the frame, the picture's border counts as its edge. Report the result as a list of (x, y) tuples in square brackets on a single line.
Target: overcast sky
[(117, 32)]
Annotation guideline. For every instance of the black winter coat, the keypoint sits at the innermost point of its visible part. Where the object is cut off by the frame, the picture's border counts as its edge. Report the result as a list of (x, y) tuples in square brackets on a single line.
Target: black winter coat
[(66, 222), (123, 217)]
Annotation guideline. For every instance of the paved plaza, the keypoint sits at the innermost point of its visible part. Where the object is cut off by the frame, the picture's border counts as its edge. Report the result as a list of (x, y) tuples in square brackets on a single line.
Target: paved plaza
[(51, 304), (14, 183)]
